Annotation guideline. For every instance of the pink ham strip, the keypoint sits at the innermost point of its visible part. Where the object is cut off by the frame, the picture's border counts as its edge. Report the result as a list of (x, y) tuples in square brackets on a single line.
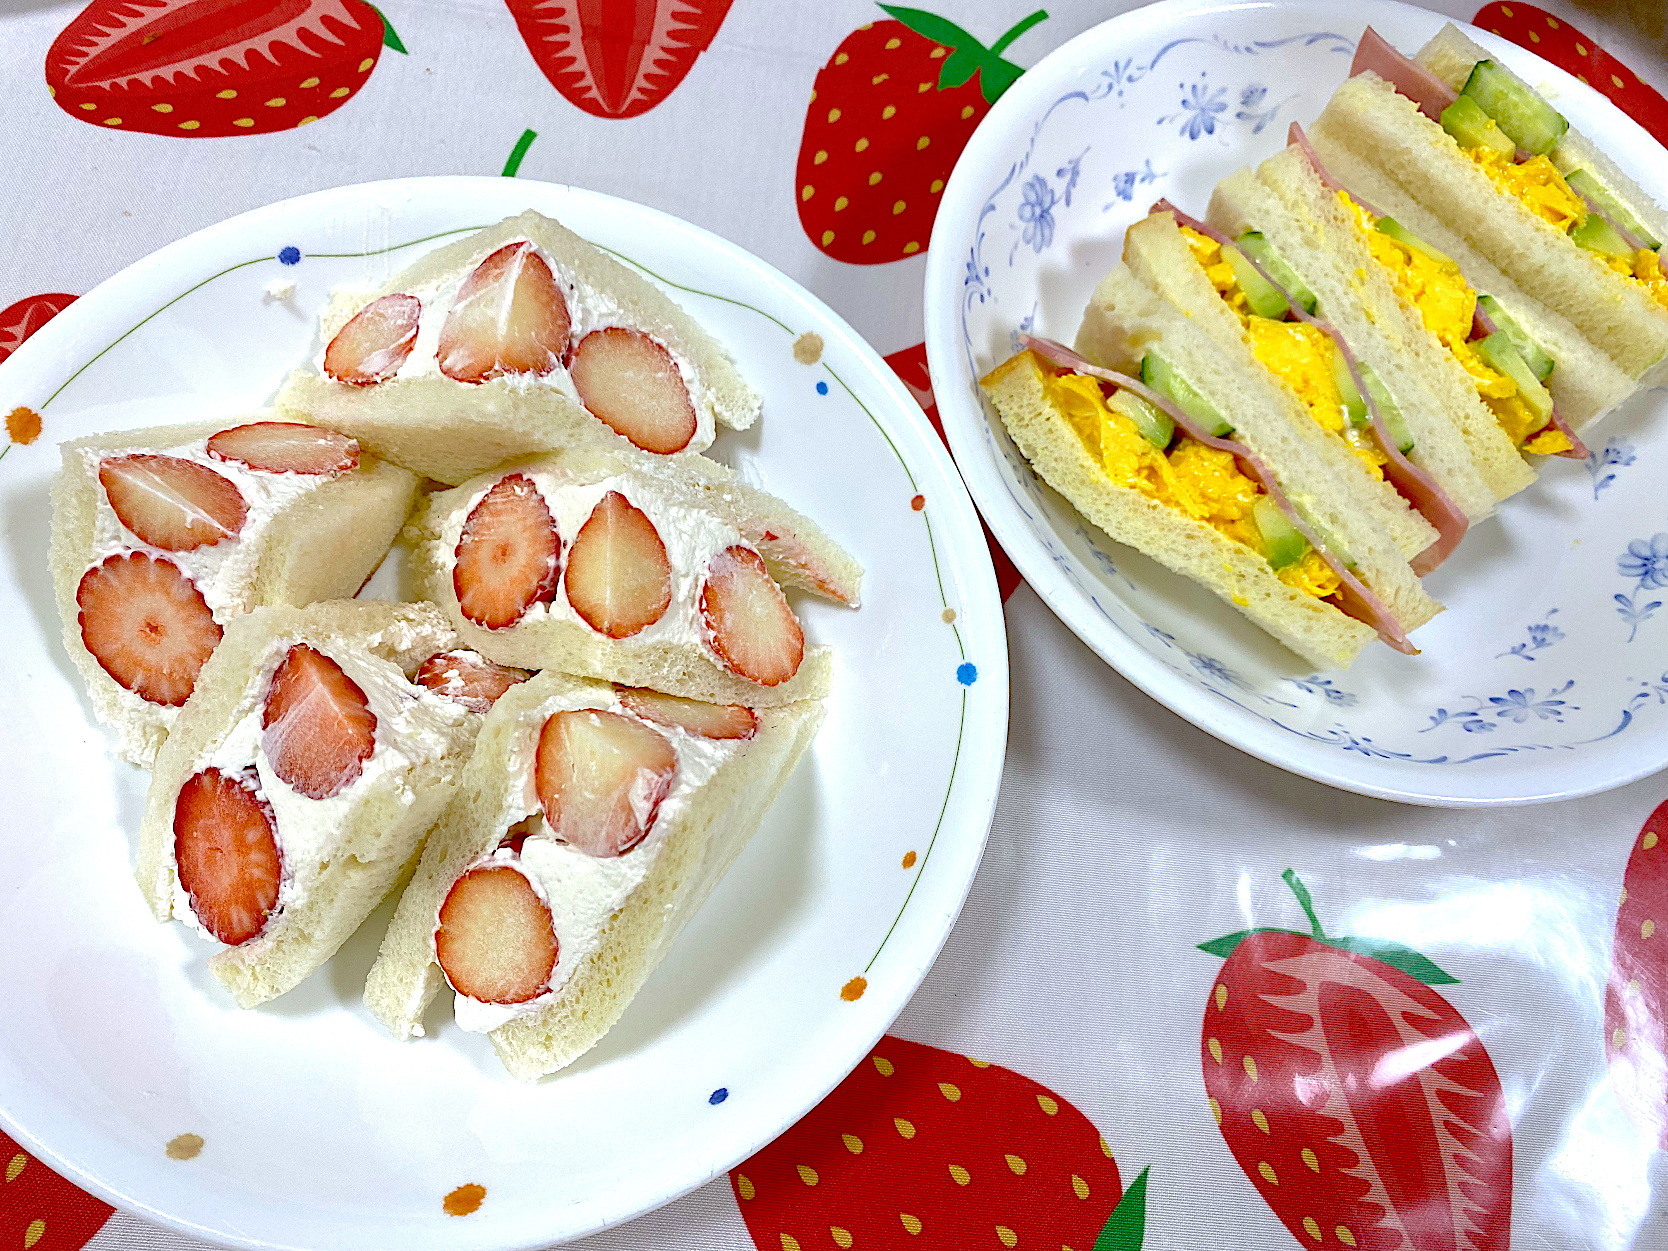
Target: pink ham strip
[(1299, 140), (1407, 76), (1628, 237), (1414, 485), (1356, 600)]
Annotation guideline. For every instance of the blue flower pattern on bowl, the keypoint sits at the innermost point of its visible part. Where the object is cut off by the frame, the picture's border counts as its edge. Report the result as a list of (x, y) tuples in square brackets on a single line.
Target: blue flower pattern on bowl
[(1645, 563), (1199, 108), (1123, 184), (1542, 634), (1617, 454)]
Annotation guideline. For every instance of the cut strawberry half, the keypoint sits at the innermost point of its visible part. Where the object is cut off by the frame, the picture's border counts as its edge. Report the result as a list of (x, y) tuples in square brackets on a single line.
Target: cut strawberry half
[(508, 317), (518, 834), (147, 626), (749, 624), (720, 721), (496, 940), (601, 777), (177, 505), (632, 383), (318, 726), (375, 342), (619, 580), (226, 851), (286, 447), (469, 677), (509, 555)]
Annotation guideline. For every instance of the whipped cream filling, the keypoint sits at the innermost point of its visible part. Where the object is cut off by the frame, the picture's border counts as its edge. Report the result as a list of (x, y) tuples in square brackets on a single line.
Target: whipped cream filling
[(692, 538), (583, 892), (414, 726)]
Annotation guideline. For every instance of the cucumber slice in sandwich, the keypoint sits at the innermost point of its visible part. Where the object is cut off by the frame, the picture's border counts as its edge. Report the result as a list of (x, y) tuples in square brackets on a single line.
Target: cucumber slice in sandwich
[(1328, 540), (1500, 355), (1155, 425), (1394, 422), (1532, 353), (1355, 408), (1161, 376), (1262, 297), (1402, 235), (1283, 543), (1597, 235), (1254, 245), (1465, 120), (1529, 121), (1585, 184)]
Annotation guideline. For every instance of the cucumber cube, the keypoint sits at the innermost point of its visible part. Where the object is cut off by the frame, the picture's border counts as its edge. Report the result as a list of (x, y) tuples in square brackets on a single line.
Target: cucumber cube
[(1155, 425), (1597, 235), (1388, 409), (1261, 296), (1161, 376), (1465, 120), (1402, 235), (1354, 406), (1499, 355), (1260, 250), (1532, 353), (1585, 184), (1283, 543), (1529, 121)]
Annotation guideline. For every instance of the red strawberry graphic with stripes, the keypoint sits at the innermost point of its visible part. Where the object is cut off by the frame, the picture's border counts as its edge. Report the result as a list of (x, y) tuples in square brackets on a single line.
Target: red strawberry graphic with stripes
[(617, 58), (1360, 1104), (1575, 53), (889, 115), (1636, 1000), (924, 1148), (40, 1210), (193, 69), (20, 320)]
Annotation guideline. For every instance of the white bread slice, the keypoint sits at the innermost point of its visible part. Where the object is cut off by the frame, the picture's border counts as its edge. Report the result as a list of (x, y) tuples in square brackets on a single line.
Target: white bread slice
[(604, 960), (1124, 319), (341, 855), (1158, 254), (1450, 55), (1455, 436), (697, 507), (1316, 631), (314, 540), (452, 430), (1383, 127)]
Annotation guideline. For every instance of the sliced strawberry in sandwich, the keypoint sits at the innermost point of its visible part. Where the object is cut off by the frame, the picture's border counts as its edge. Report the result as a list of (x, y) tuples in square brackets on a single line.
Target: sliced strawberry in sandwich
[(508, 317), (749, 624), (469, 677), (632, 383), (286, 447), (719, 721), (226, 850), (147, 626), (619, 579), (496, 940), (318, 727), (375, 342), (171, 503), (600, 777), (508, 556)]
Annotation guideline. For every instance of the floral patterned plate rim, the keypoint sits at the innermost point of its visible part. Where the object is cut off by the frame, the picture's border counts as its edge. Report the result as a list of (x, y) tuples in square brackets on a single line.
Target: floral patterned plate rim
[(1546, 678)]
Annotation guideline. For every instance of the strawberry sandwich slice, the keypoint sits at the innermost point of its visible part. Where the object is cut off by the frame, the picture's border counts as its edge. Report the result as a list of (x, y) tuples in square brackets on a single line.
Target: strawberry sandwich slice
[(162, 537), (513, 341), (319, 747), (589, 825)]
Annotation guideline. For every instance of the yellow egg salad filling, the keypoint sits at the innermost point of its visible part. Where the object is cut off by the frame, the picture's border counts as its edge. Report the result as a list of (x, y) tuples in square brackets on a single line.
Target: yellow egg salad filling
[(1201, 482), (1299, 354)]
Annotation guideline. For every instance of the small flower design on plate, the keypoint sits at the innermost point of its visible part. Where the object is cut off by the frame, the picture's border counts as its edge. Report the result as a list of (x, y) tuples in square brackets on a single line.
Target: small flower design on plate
[(1542, 634), (1645, 563)]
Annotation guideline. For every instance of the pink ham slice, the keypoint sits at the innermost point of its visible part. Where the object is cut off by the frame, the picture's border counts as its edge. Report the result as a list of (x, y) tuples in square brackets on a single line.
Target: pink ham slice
[(1407, 76)]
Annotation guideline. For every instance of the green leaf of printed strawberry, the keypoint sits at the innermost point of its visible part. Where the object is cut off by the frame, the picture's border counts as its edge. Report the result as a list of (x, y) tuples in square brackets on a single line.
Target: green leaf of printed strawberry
[(1636, 1000), (41, 1211), (889, 114), (1359, 1103), (924, 1148)]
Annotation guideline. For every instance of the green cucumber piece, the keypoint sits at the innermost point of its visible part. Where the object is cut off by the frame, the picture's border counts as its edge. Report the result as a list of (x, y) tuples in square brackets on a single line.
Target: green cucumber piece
[(1532, 353), (1161, 376), (1354, 406), (1260, 250), (1465, 120), (1401, 234), (1585, 184), (1283, 543), (1500, 355), (1597, 235), (1155, 425), (1388, 409), (1529, 121), (1261, 295), (1331, 542)]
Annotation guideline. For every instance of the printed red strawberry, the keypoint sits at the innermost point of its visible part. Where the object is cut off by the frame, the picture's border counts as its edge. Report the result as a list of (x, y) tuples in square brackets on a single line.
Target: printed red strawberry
[(600, 779), (226, 851), (1575, 53), (147, 625), (39, 1209), (1361, 1106), (749, 625), (194, 69), (317, 726), (923, 1148), (19, 321), (496, 940), (285, 447), (889, 115), (469, 677), (509, 556), (633, 385), (172, 503), (375, 342), (617, 58), (720, 721), (1636, 1000), (619, 580)]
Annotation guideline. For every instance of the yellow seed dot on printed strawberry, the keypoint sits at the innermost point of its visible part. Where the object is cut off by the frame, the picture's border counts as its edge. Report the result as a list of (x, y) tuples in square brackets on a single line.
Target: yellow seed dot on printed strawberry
[(892, 44), (1344, 1236), (923, 142), (909, 249), (277, 102), (1647, 929), (89, 106), (937, 186), (162, 108), (883, 1066), (243, 121), (875, 177), (852, 1143), (910, 1223), (1649, 840), (923, 87), (841, 1237), (1216, 1110), (790, 1243), (959, 1175), (1016, 1166), (1618, 1040), (1079, 1187), (807, 1174), (308, 120), (1259, 1120), (1250, 1068), (839, 206), (1050, 1106), (905, 1129), (1215, 1049), (950, 1091), (112, 121), (807, 191), (861, 145), (309, 82), (744, 1186), (868, 236), (14, 1166), (967, 111), (898, 207), (1267, 1171), (821, 156), (937, 52), (340, 92), (34, 1233), (840, 58), (1312, 1228), (191, 125), (1007, 1236), (227, 94), (833, 115), (1221, 996), (1309, 1158), (878, 79), (827, 237), (889, 112), (366, 64), (1105, 1147)]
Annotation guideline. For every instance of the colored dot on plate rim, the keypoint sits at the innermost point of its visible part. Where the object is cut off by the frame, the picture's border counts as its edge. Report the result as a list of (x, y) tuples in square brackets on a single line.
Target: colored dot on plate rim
[(967, 673), (822, 388), (718, 1096), (290, 255)]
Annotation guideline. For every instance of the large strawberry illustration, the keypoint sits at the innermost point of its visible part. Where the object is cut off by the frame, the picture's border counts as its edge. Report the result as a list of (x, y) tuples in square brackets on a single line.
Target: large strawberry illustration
[(40, 1210), (19, 321), (206, 68), (1360, 1104), (1575, 53), (1636, 1000), (617, 58), (889, 115), (922, 1148)]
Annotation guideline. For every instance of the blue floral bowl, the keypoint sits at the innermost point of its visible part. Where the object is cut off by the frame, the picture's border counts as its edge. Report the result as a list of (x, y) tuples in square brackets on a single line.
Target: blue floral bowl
[(1548, 675)]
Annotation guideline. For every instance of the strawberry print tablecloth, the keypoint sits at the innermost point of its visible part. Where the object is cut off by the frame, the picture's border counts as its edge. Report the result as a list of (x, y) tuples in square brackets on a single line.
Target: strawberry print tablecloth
[(1167, 1016)]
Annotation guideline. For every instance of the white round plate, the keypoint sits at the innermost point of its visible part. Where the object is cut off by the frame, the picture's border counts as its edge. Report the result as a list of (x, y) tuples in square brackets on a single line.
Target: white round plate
[(1548, 675), (318, 1131)]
